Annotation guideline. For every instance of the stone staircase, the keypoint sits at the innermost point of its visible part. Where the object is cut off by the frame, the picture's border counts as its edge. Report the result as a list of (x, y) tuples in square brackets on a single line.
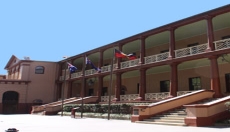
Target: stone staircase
[(174, 117)]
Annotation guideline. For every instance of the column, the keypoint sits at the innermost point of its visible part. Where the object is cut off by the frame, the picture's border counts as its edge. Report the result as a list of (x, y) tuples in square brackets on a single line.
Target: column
[(69, 93), (215, 79), (210, 34), (173, 80), (142, 86), (83, 90), (100, 64), (100, 86), (118, 86), (171, 43), (142, 51)]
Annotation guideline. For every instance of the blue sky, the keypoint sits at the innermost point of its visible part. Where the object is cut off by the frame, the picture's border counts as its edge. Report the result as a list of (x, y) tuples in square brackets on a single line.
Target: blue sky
[(47, 30)]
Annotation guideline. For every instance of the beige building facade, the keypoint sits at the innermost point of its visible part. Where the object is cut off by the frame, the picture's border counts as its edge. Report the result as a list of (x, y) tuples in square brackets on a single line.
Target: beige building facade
[(28, 82)]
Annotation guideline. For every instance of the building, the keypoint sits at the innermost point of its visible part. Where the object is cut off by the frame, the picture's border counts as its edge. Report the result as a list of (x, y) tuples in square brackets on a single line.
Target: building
[(178, 58), (28, 83)]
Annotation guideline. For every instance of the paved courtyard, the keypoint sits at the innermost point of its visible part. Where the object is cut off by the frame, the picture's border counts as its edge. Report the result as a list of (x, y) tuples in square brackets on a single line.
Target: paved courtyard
[(37, 123)]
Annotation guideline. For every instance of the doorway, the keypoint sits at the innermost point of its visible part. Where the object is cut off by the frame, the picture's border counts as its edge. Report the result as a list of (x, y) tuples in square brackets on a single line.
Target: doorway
[(227, 81), (10, 102)]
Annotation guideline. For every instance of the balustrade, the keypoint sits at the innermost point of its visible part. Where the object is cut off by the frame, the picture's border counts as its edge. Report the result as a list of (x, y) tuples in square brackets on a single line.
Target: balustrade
[(156, 58), (106, 98), (222, 44), (130, 63), (128, 97), (191, 50), (76, 75)]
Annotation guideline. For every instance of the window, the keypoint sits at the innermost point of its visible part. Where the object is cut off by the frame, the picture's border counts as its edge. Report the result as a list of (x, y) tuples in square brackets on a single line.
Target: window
[(39, 70), (164, 86), (226, 37), (194, 83), (227, 81)]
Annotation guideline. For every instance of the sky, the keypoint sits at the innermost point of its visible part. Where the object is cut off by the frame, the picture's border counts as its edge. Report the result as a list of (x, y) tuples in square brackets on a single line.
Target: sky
[(47, 30)]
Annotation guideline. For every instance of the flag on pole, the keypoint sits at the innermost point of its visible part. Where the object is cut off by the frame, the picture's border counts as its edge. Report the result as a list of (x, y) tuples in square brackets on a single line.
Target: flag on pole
[(91, 63), (132, 56), (71, 67), (120, 54)]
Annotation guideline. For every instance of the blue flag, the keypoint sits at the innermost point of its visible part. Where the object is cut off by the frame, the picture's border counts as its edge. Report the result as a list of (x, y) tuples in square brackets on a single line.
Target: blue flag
[(91, 63), (71, 67)]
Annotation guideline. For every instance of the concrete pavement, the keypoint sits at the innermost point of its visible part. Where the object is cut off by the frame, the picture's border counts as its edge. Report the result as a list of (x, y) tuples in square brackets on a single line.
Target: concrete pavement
[(38, 123)]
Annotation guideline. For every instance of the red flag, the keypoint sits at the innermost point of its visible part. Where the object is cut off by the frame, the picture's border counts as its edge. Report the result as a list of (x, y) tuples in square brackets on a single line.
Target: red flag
[(132, 56), (120, 54)]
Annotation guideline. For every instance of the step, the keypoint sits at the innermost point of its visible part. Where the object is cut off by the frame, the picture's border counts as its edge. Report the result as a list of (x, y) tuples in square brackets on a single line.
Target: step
[(161, 123), (169, 118), (165, 120)]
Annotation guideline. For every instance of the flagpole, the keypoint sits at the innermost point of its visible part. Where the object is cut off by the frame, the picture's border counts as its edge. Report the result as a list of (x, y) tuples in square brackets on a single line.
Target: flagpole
[(63, 87), (110, 89), (83, 87)]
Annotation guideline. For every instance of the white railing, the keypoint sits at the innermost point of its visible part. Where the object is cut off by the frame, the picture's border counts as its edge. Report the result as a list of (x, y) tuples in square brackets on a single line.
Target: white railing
[(163, 95), (76, 75), (90, 72), (222, 44), (61, 78), (179, 93), (156, 58), (156, 96), (129, 97), (130, 63), (191, 50), (108, 68), (106, 98)]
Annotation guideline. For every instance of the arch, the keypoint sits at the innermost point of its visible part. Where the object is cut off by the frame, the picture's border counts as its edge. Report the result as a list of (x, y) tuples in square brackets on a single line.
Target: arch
[(10, 102)]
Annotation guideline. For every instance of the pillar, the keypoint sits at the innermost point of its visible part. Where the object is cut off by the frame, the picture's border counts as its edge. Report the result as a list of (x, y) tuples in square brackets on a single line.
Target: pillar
[(215, 79), (171, 43), (118, 86), (210, 34), (142, 50), (100, 86), (173, 80), (142, 86)]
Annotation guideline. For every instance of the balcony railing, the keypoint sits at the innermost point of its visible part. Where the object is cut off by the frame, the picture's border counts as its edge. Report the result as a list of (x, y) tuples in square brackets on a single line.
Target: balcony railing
[(222, 44), (156, 58), (129, 97), (130, 63), (61, 78), (76, 75), (191, 50), (90, 72), (106, 98), (156, 96), (148, 96), (108, 68)]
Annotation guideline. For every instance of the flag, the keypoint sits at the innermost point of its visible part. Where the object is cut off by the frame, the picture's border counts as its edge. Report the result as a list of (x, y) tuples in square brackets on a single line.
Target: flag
[(71, 67), (91, 63), (120, 54), (132, 56)]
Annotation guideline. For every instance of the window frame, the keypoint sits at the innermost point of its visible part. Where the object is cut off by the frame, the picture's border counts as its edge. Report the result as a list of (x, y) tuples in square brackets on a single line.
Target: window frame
[(39, 70)]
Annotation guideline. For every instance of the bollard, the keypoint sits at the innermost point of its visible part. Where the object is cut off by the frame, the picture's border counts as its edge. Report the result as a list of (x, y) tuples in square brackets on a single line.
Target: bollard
[(73, 113), (12, 130)]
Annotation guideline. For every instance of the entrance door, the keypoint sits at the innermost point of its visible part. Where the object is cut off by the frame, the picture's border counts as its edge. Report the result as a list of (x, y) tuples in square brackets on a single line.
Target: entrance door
[(10, 102), (91, 92), (227, 81)]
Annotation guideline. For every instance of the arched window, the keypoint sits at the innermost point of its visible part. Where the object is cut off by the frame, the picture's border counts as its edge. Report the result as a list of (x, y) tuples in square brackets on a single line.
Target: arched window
[(39, 70)]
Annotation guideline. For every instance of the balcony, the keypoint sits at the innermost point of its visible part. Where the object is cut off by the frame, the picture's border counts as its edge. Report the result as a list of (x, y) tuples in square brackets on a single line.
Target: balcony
[(189, 51)]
